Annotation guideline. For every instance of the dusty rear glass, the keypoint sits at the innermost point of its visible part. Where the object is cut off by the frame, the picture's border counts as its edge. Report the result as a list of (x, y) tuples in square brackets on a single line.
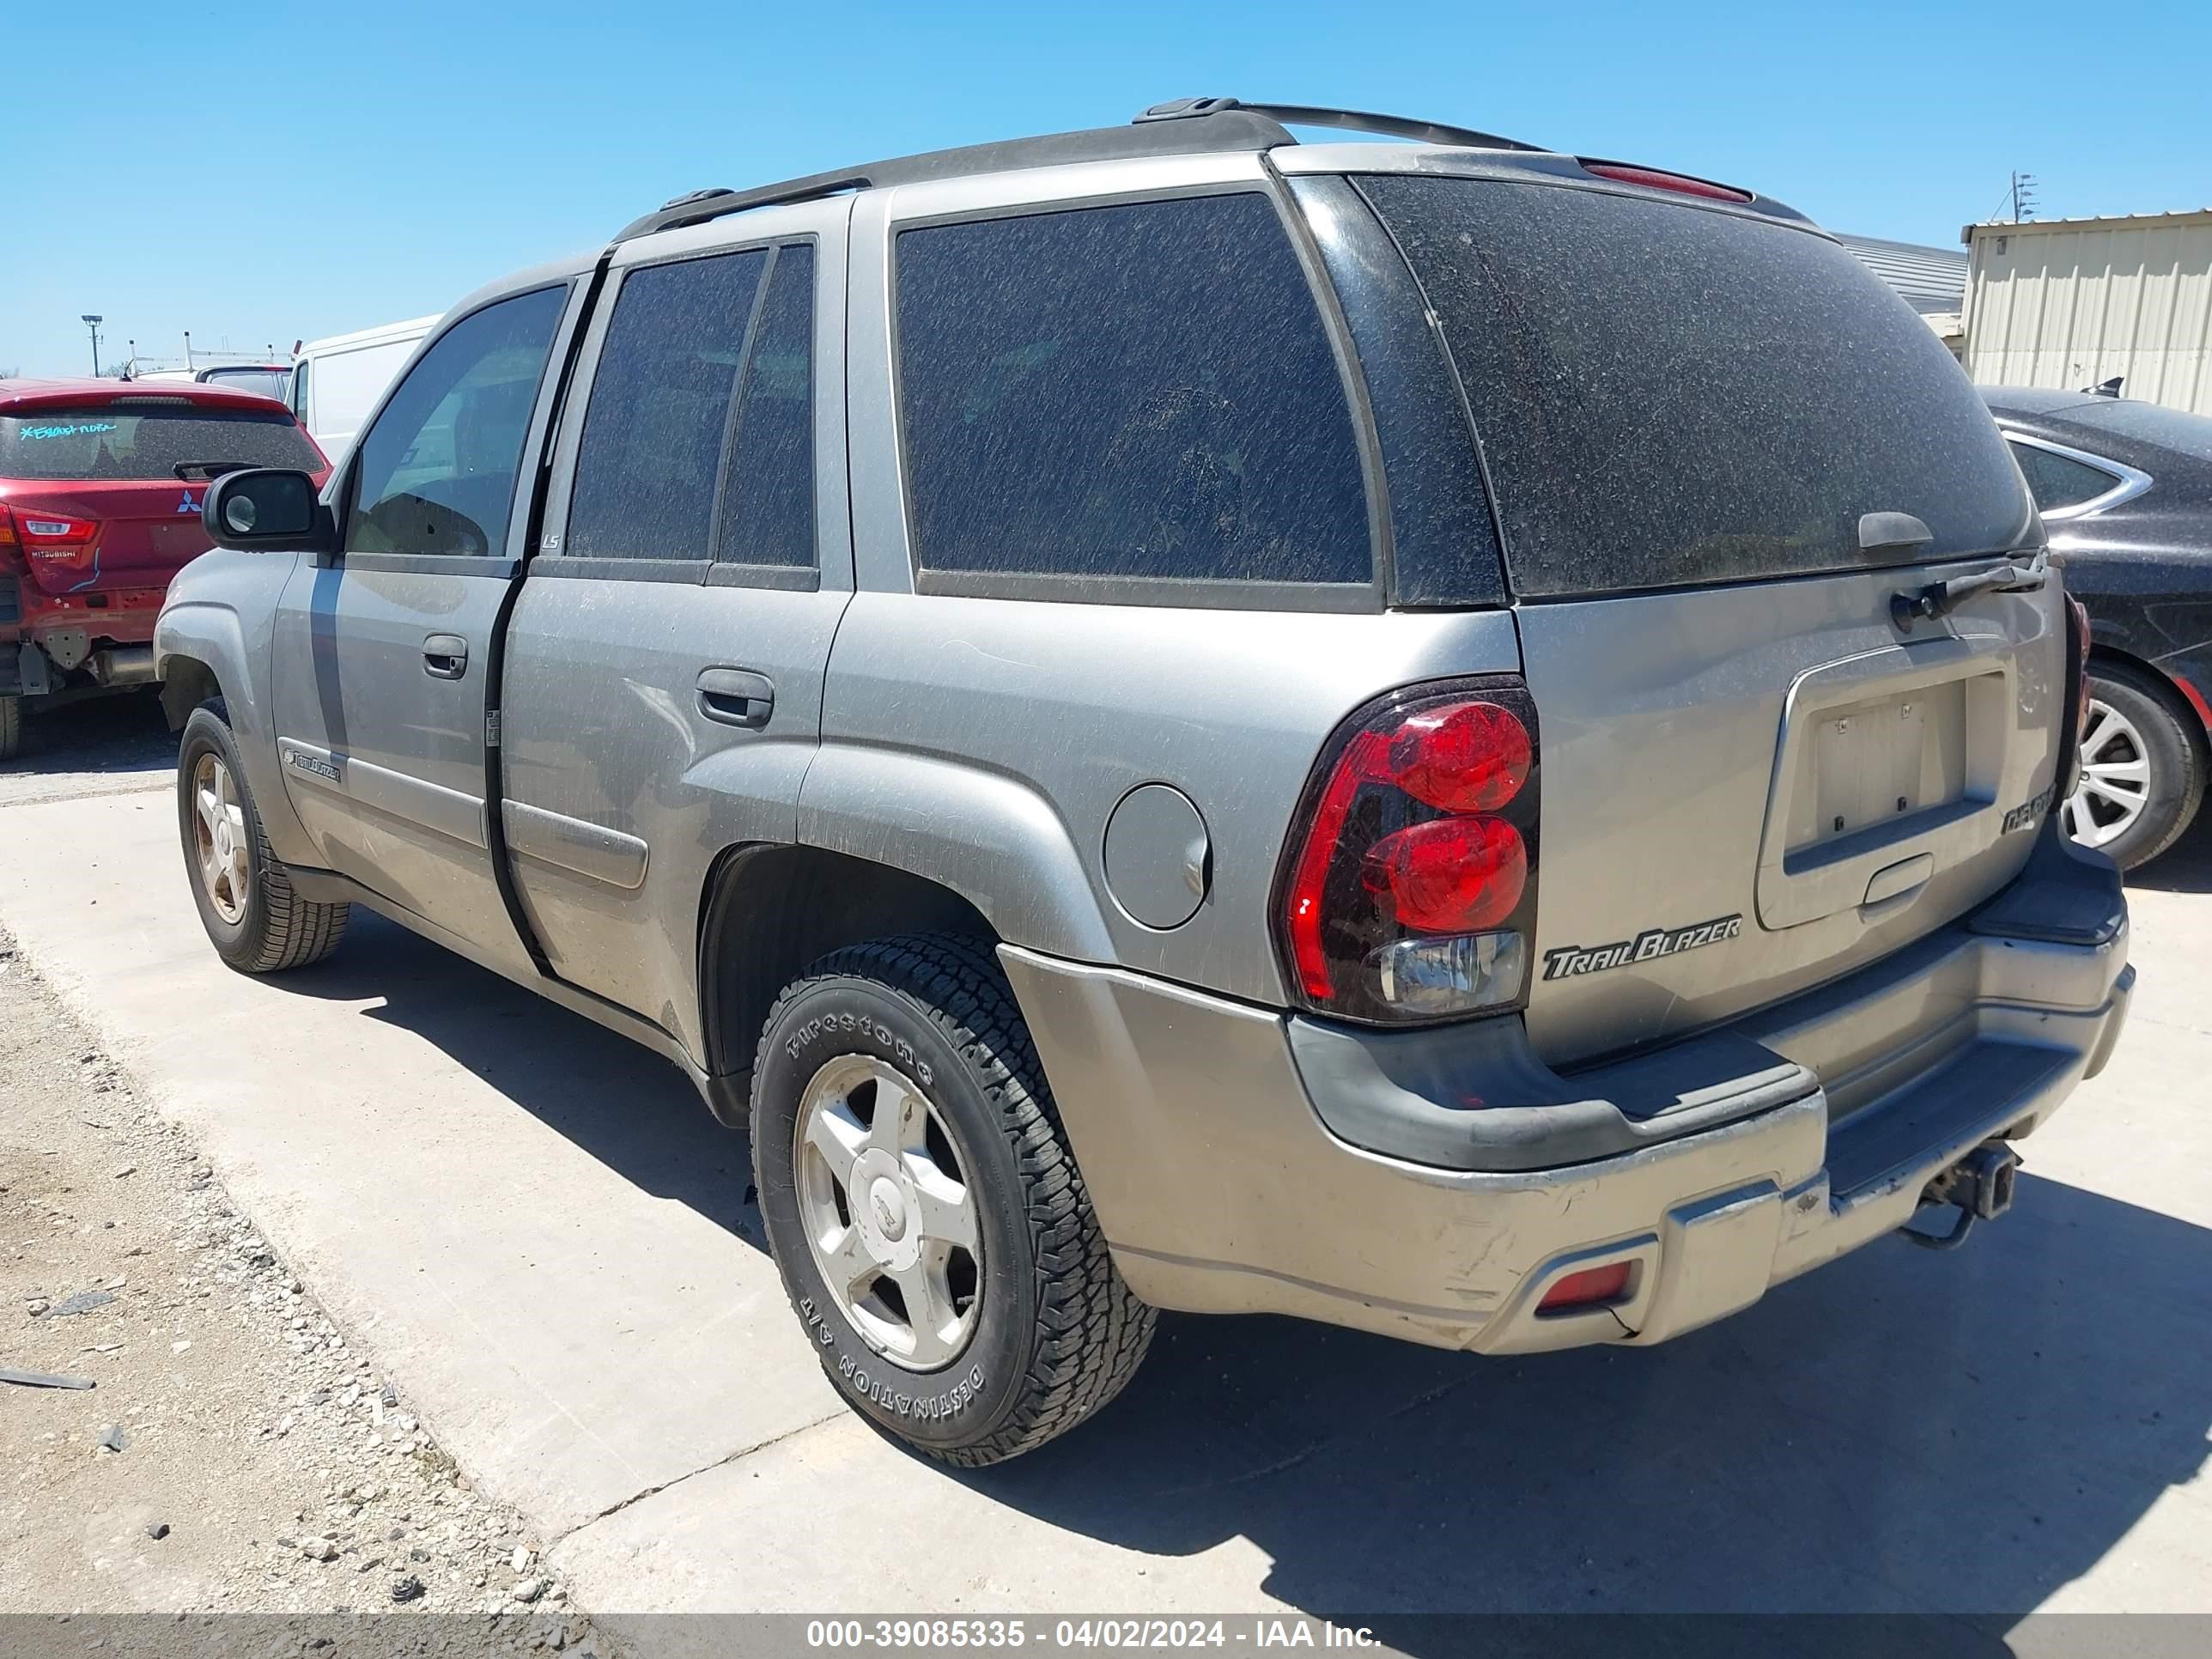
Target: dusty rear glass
[(1669, 395), (118, 441)]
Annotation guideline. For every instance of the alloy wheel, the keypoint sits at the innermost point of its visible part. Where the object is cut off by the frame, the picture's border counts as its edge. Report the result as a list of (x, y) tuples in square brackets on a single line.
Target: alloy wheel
[(889, 1214), (2114, 783), (219, 838)]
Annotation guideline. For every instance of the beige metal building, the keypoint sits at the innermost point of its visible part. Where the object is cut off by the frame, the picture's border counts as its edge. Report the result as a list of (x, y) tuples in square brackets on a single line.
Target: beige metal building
[(2071, 303)]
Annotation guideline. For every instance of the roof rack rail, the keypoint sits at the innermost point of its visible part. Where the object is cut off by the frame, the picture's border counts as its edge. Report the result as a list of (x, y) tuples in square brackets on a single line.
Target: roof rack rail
[(1182, 127), (1232, 128), (1349, 120)]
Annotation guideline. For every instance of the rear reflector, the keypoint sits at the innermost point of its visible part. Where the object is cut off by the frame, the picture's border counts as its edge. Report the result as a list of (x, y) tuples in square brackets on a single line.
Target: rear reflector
[(1586, 1288), (1623, 172)]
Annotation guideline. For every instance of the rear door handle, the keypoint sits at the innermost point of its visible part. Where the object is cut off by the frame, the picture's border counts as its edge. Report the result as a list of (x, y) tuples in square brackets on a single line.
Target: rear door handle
[(445, 656), (736, 696)]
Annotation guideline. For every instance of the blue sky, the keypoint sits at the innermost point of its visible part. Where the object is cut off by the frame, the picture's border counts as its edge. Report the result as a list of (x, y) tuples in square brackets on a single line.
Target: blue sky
[(259, 174)]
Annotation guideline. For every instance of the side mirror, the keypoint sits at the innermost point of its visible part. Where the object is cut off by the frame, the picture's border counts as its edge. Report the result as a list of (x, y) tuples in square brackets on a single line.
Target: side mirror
[(263, 507)]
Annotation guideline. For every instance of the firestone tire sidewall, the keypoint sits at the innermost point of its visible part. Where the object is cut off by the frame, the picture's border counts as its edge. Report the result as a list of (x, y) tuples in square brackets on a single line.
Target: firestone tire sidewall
[(961, 1404)]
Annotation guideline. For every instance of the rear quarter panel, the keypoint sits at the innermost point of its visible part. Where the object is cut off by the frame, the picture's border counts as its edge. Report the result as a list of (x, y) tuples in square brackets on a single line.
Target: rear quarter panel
[(986, 743)]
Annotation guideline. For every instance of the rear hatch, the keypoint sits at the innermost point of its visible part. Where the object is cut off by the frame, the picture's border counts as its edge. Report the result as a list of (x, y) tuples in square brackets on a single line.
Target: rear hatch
[(1692, 419), (106, 495)]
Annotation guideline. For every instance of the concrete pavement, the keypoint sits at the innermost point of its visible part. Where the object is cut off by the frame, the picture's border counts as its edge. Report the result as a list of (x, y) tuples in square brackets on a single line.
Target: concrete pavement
[(537, 1227)]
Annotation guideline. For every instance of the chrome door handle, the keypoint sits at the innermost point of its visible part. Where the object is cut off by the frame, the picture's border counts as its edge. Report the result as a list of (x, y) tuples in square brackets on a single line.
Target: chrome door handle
[(445, 656), (736, 696)]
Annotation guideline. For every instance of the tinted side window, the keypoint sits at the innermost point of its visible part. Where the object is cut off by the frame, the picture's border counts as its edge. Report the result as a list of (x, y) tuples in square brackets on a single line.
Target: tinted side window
[(1137, 391), (437, 471), (300, 390), (768, 503), (659, 407), (2057, 481)]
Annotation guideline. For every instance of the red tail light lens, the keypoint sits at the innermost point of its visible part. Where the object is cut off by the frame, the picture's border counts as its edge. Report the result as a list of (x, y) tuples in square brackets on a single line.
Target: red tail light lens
[(7, 528), (1624, 173), (1462, 757), (1450, 875), (1411, 896), (2077, 615), (52, 535), (1587, 1288)]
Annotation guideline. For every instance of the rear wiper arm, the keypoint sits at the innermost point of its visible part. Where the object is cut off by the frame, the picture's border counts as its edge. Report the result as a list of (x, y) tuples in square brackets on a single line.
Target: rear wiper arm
[(1940, 599), (197, 471)]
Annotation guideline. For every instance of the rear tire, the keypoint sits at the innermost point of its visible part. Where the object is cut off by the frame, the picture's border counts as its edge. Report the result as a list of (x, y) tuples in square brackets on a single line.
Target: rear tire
[(2143, 766), (11, 728), (254, 919), (979, 1314)]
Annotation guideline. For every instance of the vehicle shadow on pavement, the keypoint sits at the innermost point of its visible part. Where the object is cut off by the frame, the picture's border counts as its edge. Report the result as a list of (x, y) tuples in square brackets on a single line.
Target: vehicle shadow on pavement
[(634, 1112), (100, 735), (2185, 867), (1903, 1431)]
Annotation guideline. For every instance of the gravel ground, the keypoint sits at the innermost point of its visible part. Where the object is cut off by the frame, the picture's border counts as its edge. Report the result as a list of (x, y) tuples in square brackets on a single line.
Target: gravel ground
[(240, 1452)]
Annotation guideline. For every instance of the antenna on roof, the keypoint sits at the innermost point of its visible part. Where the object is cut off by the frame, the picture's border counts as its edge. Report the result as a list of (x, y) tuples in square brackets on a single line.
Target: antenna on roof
[(2023, 196)]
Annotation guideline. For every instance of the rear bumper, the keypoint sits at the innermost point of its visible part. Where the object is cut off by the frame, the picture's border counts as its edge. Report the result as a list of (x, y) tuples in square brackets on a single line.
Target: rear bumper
[(1240, 1161), (45, 638)]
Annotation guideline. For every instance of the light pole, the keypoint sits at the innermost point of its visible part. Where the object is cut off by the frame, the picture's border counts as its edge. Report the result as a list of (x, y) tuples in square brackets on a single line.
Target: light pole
[(94, 322)]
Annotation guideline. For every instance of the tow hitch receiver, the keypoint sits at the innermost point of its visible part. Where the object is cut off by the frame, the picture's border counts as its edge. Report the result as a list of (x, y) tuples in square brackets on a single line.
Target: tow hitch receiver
[(1978, 1186)]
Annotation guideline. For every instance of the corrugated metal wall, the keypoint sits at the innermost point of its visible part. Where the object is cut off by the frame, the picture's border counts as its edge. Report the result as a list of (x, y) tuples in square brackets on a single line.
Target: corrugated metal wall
[(2072, 303)]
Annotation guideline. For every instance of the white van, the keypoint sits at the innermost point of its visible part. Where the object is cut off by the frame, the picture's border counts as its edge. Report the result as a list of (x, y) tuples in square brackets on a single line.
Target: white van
[(336, 381)]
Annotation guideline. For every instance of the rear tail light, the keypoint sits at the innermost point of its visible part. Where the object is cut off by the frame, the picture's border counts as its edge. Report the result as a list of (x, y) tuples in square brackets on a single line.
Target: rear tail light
[(1624, 172), (2077, 667), (54, 536), (1587, 1289), (7, 529), (2078, 615), (1411, 894)]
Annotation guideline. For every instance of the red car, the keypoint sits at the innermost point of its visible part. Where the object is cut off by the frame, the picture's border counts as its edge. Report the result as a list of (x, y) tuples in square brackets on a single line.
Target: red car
[(100, 485)]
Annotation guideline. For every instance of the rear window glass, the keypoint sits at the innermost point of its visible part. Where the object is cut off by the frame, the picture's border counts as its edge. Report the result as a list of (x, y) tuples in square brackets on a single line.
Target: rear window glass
[(1125, 392), (1669, 395), (123, 441)]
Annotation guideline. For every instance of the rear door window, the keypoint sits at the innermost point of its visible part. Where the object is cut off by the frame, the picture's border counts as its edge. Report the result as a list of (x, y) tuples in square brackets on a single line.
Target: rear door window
[(132, 440), (767, 498), (1669, 395), (1095, 400), (650, 452)]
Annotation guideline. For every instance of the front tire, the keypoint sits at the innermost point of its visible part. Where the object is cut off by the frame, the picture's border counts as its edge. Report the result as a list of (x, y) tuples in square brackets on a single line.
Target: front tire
[(254, 919), (11, 728), (924, 1207), (2142, 769)]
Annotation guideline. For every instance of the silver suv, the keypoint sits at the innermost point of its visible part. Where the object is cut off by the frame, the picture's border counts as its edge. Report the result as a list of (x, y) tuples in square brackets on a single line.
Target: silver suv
[(1442, 737)]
